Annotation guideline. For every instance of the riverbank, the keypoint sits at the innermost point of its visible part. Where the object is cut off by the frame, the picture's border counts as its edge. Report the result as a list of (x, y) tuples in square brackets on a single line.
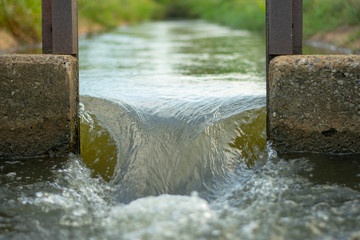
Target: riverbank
[(7, 40), (8, 43), (344, 38)]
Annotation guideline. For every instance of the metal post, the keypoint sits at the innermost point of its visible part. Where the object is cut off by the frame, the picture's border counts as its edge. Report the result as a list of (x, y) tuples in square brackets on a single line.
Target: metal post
[(283, 31), (60, 27), (46, 26), (297, 26)]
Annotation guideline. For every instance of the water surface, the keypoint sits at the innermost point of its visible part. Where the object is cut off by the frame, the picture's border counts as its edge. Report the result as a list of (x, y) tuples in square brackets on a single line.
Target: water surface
[(173, 147)]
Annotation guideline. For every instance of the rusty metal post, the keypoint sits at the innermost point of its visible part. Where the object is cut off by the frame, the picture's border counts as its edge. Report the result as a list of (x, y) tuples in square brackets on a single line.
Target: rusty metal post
[(60, 27), (46, 26), (65, 27), (297, 26), (280, 27), (283, 31)]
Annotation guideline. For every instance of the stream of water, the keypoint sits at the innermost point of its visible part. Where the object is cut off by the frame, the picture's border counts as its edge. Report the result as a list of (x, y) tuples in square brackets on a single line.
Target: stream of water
[(173, 147)]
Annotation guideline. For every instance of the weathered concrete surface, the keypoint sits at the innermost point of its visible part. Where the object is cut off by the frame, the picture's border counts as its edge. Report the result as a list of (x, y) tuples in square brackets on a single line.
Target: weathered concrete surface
[(314, 103), (38, 105)]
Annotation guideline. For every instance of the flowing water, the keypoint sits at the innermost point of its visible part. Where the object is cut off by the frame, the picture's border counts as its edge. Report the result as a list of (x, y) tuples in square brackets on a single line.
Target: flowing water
[(173, 147)]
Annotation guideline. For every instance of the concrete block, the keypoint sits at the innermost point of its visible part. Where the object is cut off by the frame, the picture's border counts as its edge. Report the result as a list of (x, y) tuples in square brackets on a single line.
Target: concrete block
[(314, 103), (38, 105)]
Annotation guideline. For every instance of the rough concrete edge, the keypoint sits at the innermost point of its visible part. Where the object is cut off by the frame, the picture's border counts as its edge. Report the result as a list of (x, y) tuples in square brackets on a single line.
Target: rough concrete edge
[(306, 59), (74, 145)]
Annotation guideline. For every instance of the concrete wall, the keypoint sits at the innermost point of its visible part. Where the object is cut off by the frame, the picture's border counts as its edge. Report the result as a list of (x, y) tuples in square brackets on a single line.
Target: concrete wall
[(314, 103), (38, 105)]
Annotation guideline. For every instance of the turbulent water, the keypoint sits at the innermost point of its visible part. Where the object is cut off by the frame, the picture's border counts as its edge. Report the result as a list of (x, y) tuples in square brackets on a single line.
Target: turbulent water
[(173, 147)]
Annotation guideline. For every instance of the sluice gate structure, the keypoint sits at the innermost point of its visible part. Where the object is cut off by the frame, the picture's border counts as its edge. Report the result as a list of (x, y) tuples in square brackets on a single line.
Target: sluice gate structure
[(313, 102)]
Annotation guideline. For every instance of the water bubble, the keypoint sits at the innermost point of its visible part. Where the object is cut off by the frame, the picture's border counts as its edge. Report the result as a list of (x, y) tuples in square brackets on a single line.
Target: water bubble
[(11, 175)]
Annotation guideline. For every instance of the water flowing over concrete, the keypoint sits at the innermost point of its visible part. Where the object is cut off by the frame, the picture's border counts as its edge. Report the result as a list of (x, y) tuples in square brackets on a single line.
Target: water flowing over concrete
[(174, 147)]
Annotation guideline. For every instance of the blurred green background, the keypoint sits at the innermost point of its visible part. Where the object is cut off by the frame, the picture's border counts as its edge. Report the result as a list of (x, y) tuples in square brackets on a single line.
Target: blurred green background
[(22, 18)]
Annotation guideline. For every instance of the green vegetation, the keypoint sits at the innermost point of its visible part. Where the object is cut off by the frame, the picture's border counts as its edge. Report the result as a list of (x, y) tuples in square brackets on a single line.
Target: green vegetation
[(319, 15), (327, 15), (22, 18), (112, 13), (244, 14)]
